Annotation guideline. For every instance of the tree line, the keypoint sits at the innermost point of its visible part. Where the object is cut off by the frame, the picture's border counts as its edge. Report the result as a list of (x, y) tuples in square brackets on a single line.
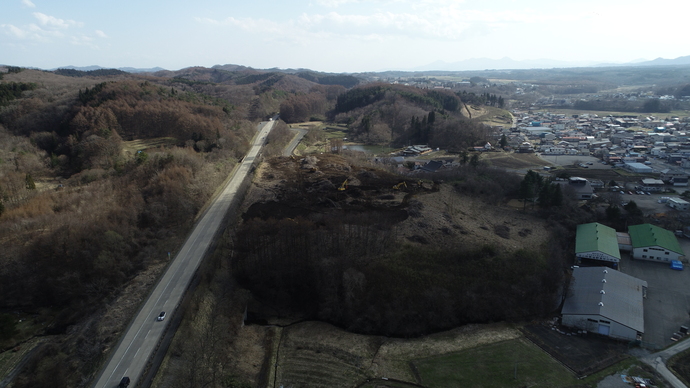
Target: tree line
[(13, 90), (333, 273)]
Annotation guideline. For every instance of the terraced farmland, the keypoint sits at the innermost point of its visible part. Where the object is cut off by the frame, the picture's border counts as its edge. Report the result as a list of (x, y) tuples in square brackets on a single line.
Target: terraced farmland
[(317, 355), (317, 367)]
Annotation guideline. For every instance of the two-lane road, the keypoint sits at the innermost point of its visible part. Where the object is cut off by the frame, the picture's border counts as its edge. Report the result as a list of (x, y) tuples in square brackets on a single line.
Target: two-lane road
[(136, 346)]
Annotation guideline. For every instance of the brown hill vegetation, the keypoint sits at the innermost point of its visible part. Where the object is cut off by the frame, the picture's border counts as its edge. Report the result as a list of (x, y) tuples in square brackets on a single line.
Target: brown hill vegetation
[(81, 220), (374, 259)]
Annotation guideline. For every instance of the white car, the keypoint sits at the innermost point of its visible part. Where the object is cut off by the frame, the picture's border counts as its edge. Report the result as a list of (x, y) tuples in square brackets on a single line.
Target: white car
[(161, 316)]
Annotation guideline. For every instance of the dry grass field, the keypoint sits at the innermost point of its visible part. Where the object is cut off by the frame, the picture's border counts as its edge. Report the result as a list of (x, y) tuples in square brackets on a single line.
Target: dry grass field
[(315, 354), (131, 147), (511, 363), (513, 160), (489, 115)]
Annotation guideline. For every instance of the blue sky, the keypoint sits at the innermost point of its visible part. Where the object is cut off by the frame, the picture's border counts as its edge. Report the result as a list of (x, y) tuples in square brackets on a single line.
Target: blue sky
[(334, 35)]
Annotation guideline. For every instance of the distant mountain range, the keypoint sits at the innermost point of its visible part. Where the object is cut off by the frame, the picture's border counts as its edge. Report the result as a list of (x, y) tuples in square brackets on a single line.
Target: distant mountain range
[(511, 64), (465, 65)]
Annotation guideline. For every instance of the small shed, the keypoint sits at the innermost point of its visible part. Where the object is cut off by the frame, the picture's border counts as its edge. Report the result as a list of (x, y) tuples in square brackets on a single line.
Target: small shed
[(624, 243)]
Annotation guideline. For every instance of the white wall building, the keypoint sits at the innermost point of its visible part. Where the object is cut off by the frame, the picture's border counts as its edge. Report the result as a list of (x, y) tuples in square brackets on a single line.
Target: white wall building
[(605, 301), (678, 204), (650, 242)]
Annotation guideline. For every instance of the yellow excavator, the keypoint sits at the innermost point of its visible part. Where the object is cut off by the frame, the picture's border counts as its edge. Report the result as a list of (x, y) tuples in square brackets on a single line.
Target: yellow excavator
[(343, 186), (400, 185)]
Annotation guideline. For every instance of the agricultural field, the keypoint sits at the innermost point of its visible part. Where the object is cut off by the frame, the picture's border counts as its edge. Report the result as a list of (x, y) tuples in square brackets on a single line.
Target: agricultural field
[(490, 115), (132, 146), (513, 363), (315, 354), (330, 130)]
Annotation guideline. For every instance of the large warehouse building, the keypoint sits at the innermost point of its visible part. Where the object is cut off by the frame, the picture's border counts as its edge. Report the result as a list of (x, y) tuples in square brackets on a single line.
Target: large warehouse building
[(650, 242), (598, 242), (605, 301)]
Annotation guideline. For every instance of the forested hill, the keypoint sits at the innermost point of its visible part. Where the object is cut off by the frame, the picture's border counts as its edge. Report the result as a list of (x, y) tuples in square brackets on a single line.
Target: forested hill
[(238, 75), (398, 114), (89, 73), (99, 179)]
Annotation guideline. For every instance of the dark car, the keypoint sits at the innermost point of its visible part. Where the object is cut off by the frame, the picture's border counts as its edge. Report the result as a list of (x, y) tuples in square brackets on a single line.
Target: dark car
[(161, 316), (124, 383)]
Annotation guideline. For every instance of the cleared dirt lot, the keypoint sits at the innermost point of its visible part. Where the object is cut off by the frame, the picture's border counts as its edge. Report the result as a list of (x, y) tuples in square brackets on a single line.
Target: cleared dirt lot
[(567, 160)]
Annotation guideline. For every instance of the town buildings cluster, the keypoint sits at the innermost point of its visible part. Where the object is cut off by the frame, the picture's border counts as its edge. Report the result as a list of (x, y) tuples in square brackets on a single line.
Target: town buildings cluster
[(603, 300), (621, 141)]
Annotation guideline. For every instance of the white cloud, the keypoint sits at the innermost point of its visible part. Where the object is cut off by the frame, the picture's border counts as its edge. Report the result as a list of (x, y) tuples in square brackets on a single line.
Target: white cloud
[(446, 20), (101, 34), (28, 3), (248, 24), (335, 3), (83, 40), (14, 30), (52, 21)]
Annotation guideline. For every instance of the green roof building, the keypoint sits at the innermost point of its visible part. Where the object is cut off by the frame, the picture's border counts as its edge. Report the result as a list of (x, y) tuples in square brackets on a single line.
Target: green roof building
[(650, 242), (598, 242)]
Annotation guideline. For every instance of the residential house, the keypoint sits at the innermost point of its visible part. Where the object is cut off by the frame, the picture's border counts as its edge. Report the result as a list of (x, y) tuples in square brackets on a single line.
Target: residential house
[(581, 187)]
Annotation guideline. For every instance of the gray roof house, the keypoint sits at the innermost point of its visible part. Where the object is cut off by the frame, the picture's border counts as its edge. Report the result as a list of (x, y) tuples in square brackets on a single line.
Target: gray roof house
[(581, 187), (605, 301)]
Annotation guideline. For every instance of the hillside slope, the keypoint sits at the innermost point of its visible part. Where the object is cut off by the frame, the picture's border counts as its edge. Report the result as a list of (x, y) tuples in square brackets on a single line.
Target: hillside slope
[(374, 259)]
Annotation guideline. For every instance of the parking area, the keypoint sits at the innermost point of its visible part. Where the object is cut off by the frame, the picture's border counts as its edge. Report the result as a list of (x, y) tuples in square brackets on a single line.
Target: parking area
[(667, 306), (649, 204)]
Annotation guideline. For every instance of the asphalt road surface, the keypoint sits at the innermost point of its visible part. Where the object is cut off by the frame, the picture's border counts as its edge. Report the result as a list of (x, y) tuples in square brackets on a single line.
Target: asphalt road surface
[(295, 140), (137, 344)]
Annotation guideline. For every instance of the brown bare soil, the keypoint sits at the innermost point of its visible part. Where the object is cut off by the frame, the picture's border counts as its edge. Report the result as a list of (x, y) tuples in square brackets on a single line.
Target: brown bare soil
[(513, 160)]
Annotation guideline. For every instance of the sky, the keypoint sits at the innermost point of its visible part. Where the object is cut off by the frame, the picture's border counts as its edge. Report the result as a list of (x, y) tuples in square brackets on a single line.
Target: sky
[(334, 35)]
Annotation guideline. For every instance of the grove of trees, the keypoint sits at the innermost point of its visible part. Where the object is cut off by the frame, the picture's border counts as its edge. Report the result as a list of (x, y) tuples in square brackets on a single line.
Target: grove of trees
[(83, 212)]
